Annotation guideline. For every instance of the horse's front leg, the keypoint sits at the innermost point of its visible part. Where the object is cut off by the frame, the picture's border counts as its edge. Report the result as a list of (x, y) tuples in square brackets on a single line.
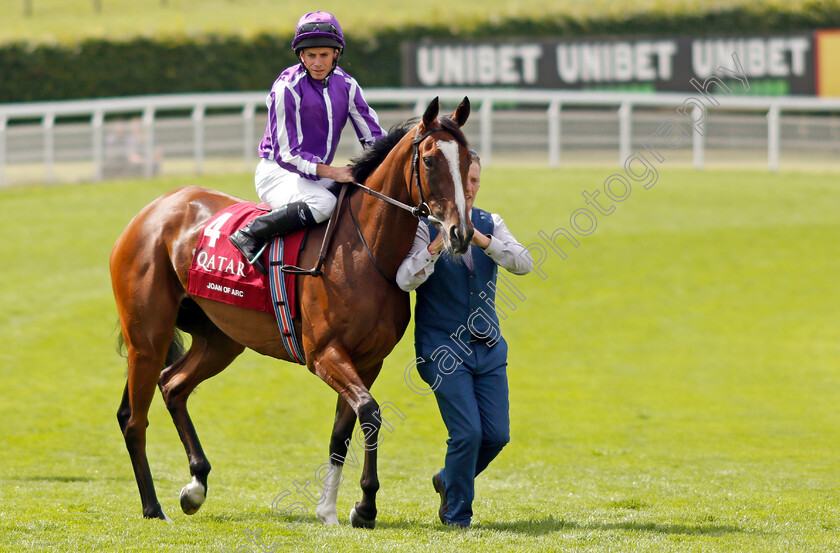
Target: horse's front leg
[(345, 418), (363, 514), (335, 367)]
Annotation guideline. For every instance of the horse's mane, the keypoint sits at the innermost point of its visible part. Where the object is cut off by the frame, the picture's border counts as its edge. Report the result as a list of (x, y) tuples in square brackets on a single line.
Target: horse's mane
[(372, 157)]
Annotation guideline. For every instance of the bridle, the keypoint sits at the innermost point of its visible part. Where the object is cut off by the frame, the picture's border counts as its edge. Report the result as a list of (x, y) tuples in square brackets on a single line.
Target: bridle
[(422, 209)]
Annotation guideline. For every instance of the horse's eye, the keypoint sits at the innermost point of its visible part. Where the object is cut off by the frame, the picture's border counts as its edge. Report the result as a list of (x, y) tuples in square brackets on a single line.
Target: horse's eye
[(428, 161)]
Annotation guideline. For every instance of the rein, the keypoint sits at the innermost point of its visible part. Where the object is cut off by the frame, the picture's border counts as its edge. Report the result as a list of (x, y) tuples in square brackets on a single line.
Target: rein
[(422, 209), (367, 249), (418, 211)]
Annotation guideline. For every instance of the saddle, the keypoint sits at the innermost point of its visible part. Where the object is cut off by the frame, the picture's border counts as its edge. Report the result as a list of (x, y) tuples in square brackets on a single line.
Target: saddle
[(219, 272)]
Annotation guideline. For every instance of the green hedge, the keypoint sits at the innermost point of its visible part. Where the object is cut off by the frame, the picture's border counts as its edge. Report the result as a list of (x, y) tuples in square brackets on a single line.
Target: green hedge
[(98, 68)]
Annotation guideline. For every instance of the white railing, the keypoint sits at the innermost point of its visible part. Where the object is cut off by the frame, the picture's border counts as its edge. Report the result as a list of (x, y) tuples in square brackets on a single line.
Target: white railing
[(197, 133)]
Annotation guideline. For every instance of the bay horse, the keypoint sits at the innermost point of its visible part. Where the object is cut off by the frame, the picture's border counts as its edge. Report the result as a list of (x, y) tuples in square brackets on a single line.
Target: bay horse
[(348, 321)]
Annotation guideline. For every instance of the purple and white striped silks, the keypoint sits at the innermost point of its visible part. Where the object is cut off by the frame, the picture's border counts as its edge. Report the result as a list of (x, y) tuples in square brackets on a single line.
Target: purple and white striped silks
[(306, 116)]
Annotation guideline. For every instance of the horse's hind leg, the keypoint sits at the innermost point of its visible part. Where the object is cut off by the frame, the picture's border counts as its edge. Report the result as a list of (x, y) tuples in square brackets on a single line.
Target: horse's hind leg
[(146, 357), (210, 353)]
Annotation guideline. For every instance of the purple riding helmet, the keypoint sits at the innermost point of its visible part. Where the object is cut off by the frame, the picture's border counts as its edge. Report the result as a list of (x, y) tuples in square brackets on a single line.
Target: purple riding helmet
[(318, 29)]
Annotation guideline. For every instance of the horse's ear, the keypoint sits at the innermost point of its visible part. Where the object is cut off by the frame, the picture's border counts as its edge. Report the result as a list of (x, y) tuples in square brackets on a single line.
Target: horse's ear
[(431, 113), (462, 112)]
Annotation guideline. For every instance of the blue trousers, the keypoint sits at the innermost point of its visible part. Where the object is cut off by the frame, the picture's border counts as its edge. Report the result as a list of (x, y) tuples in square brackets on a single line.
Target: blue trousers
[(473, 402)]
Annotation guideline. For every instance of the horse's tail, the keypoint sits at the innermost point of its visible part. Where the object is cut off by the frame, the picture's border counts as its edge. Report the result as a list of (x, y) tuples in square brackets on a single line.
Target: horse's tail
[(175, 352)]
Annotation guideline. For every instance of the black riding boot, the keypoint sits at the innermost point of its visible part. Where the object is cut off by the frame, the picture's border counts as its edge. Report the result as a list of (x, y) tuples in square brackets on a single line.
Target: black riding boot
[(252, 239)]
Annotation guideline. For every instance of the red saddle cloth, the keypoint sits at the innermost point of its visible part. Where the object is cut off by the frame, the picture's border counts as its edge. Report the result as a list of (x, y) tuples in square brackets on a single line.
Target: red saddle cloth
[(220, 272)]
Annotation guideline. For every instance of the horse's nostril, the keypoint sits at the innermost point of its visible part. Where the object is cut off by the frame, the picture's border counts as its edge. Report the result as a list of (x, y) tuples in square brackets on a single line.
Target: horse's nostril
[(456, 238)]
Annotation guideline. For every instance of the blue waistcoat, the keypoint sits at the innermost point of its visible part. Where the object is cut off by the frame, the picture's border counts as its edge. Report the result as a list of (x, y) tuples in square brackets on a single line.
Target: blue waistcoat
[(454, 296)]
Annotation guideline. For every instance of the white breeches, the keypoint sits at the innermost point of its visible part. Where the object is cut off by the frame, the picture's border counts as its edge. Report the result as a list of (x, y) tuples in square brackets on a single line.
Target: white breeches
[(278, 187)]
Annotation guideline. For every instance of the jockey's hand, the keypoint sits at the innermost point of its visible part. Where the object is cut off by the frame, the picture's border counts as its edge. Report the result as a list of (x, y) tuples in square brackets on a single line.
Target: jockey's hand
[(338, 174)]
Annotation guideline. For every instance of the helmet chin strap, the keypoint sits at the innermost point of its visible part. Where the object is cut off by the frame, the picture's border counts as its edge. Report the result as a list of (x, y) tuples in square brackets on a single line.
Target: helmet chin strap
[(335, 64)]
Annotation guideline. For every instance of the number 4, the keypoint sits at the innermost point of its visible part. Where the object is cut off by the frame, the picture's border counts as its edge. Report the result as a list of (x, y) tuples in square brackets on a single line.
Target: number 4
[(212, 230)]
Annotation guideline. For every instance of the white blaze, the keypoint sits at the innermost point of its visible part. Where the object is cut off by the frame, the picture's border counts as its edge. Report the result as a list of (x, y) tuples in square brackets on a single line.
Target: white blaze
[(450, 152)]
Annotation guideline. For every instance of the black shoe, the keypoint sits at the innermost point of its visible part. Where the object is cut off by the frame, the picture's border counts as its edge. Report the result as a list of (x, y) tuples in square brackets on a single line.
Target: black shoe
[(251, 240), (250, 246), (437, 482)]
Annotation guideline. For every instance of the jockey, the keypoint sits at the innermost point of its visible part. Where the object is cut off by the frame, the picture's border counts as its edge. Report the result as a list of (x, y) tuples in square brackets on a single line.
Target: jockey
[(308, 106)]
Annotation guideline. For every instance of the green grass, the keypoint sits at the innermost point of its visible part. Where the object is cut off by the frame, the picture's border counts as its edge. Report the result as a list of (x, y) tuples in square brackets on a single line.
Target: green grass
[(674, 385), (73, 20)]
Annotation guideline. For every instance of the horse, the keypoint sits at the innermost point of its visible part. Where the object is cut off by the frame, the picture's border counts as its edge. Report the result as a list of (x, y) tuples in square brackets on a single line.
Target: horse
[(349, 319)]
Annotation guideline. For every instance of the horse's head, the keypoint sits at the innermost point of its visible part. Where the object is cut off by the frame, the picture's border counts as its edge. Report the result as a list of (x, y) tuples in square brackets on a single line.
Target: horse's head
[(438, 176)]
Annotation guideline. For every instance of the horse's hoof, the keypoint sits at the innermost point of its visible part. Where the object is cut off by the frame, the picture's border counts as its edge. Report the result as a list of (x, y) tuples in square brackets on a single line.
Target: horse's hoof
[(329, 518), (156, 512), (193, 496), (357, 521)]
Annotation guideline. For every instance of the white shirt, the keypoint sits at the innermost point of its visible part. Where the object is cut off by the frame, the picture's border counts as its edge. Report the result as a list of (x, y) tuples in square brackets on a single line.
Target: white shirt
[(419, 264)]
